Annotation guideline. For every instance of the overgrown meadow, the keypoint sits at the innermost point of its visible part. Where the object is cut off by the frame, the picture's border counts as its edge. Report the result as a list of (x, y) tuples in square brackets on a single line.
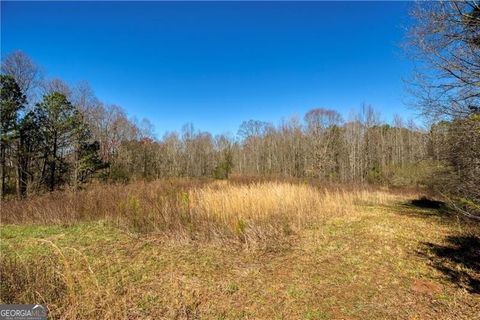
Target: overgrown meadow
[(237, 249)]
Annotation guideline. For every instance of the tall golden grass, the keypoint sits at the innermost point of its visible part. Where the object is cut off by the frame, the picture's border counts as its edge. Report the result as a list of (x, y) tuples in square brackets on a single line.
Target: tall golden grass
[(270, 210), (63, 280), (218, 210)]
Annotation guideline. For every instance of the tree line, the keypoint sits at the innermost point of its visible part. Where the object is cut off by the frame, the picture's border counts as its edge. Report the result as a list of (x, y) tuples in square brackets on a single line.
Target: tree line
[(55, 135)]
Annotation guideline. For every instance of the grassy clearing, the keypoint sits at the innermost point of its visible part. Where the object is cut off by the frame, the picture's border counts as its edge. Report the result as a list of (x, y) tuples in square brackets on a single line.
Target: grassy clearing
[(340, 255)]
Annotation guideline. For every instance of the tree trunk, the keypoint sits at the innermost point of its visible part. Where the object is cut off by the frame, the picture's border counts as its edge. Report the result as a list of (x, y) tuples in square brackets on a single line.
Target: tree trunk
[(53, 166), (21, 180), (3, 170)]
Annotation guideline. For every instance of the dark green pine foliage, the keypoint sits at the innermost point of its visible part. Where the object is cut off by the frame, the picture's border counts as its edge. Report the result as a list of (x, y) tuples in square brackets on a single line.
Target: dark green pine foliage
[(87, 160), (57, 121), (225, 165), (28, 145), (11, 103), (67, 146)]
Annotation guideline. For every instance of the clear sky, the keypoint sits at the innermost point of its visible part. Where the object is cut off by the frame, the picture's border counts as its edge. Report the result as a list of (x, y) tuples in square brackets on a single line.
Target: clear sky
[(216, 64)]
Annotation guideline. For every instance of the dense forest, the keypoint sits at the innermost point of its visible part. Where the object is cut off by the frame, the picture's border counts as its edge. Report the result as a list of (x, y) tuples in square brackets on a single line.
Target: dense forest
[(55, 135)]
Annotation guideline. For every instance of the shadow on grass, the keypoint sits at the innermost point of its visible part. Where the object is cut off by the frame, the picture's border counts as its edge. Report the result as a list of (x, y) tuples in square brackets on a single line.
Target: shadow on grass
[(426, 209), (426, 203), (458, 260), (439, 210)]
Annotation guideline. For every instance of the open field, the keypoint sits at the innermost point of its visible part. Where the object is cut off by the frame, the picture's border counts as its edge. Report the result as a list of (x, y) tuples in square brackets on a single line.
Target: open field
[(240, 160), (237, 250)]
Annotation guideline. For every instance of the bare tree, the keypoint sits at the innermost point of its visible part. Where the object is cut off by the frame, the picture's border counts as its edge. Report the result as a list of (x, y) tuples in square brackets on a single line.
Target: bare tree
[(24, 70), (322, 129), (56, 85), (83, 97), (445, 43)]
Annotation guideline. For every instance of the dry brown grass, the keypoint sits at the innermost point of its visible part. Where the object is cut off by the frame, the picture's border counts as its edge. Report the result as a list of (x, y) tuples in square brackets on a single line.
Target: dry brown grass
[(60, 278), (271, 210), (255, 213), (215, 250)]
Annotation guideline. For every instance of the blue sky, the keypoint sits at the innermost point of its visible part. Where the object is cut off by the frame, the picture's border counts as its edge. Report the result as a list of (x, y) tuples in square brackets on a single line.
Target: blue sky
[(216, 64)]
